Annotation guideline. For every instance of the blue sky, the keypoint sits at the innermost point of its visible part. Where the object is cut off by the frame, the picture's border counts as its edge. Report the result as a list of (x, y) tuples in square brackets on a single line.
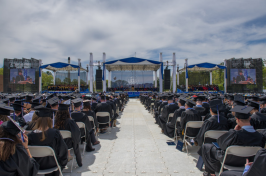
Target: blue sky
[(202, 31)]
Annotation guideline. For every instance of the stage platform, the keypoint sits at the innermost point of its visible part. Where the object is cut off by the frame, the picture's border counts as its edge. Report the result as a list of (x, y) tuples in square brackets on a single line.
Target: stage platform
[(133, 94)]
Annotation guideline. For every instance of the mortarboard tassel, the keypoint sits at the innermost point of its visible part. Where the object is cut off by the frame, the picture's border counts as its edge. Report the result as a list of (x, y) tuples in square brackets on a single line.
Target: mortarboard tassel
[(259, 108), (218, 113), (53, 119), (22, 138)]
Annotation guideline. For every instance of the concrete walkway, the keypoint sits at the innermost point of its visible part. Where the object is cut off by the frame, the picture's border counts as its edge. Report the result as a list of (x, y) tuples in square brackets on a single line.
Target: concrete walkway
[(136, 147)]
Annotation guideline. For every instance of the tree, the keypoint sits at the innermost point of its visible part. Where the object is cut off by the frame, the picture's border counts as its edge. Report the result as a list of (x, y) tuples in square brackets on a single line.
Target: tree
[(46, 80), (74, 82), (48, 73), (1, 71), (58, 81), (66, 81)]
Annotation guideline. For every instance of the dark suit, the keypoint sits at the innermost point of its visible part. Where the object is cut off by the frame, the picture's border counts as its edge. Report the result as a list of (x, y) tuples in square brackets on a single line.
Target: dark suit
[(19, 78)]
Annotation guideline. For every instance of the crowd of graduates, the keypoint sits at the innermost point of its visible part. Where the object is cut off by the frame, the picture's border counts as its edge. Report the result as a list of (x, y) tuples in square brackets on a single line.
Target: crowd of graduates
[(242, 118), (36, 120)]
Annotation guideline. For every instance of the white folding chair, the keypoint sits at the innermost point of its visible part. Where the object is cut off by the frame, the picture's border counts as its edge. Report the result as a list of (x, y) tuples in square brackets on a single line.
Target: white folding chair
[(260, 130), (240, 151), (44, 151), (67, 134), (203, 118), (171, 115), (82, 125), (175, 135), (191, 124), (103, 114), (214, 134)]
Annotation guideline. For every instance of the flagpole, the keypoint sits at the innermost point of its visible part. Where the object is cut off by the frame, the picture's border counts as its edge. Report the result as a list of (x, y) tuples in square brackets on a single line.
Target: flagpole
[(186, 75)]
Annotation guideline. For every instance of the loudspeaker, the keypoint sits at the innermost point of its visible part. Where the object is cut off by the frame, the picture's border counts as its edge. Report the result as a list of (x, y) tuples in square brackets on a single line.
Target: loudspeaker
[(99, 84), (167, 79)]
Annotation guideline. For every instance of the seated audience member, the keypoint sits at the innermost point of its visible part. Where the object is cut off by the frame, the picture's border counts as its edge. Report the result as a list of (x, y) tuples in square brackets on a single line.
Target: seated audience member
[(216, 122), (189, 115), (103, 107), (201, 110), (243, 135), (17, 105), (64, 122), (251, 168), (15, 156), (263, 104), (168, 109), (87, 110), (28, 117), (32, 123), (169, 129), (160, 108), (45, 135), (258, 120), (79, 116)]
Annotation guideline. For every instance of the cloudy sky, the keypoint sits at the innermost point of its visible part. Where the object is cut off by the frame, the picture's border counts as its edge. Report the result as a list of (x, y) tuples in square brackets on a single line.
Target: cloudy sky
[(200, 30)]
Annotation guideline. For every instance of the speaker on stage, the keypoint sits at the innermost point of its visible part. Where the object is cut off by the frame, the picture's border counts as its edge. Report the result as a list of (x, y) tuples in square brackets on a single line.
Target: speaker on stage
[(167, 79), (99, 84)]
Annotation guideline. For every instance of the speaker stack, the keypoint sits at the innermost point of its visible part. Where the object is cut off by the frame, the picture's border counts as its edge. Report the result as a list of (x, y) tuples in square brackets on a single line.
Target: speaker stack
[(99, 84), (167, 80)]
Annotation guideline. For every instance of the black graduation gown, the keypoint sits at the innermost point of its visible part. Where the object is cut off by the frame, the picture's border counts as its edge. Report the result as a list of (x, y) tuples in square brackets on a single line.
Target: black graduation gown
[(19, 164), (263, 110), (54, 140), (20, 120), (160, 108), (207, 108), (256, 169), (169, 129), (211, 124), (78, 116), (93, 105), (113, 109), (231, 122), (91, 113), (71, 126), (213, 157), (258, 121), (201, 110), (186, 116), (168, 109)]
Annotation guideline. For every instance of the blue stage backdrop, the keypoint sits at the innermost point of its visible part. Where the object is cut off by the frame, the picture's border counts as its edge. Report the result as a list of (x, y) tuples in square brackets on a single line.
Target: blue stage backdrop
[(138, 79)]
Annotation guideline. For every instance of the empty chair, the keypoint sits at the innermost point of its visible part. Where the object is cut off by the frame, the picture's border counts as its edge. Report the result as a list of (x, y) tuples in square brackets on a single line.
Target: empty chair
[(44, 151)]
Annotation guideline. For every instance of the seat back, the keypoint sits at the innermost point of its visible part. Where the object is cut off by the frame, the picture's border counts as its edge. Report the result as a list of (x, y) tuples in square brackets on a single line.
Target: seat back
[(65, 134), (178, 119), (91, 118), (240, 151), (171, 115), (102, 114), (214, 134), (194, 124), (81, 125), (260, 130), (43, 151)]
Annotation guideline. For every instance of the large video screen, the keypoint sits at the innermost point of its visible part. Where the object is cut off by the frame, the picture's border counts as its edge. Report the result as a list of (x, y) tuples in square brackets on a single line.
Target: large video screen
[(22, 76), (243, 76), (138, 79)]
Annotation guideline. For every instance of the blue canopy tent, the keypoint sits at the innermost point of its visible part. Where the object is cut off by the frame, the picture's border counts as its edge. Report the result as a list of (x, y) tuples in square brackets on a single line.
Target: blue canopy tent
[(205, 67), (59, 66), (132, 63)]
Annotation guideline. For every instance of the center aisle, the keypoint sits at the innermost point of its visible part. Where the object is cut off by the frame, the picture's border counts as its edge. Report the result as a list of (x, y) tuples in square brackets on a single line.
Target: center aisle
[(136, 147)]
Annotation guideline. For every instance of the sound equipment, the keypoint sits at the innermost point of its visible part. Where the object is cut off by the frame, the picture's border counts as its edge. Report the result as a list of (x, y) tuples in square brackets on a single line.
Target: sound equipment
[(99, 84), (167, 79)]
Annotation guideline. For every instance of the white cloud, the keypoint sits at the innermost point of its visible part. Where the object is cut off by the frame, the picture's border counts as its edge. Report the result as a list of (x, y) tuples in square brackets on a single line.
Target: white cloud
[(203, 31)]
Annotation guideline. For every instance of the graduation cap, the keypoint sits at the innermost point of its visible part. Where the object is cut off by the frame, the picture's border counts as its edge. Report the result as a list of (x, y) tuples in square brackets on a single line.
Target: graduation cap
[(254, 104), (199, 98), (43, 111), (107, 98), (29, 97), (230, 97), (190, 103), (5, 110), (53, 101), (242, 112), (254, 98), (164, 97), (11, 98), (86, 103), (17, 106), (63, 107), (182, 101), (102, 97), (34, 104), (10, 127), (240, 103), (77, 102), (170, 97), (36, 100), (263, 100)]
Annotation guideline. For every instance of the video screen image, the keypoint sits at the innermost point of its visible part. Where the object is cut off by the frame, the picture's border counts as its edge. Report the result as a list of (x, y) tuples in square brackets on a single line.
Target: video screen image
[(243, 76), (22, 76)]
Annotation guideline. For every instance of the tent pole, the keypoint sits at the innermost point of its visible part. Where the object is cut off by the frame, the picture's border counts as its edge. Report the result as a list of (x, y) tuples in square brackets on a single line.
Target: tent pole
[(155, 82), (210, 77), (79, 75), (109, 79), (104, 73), (174, 73), (160, 74), (54, 76), (225, 78), (177, 74), (40, 76), (91, 72), (87, 75), (186, 76)]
